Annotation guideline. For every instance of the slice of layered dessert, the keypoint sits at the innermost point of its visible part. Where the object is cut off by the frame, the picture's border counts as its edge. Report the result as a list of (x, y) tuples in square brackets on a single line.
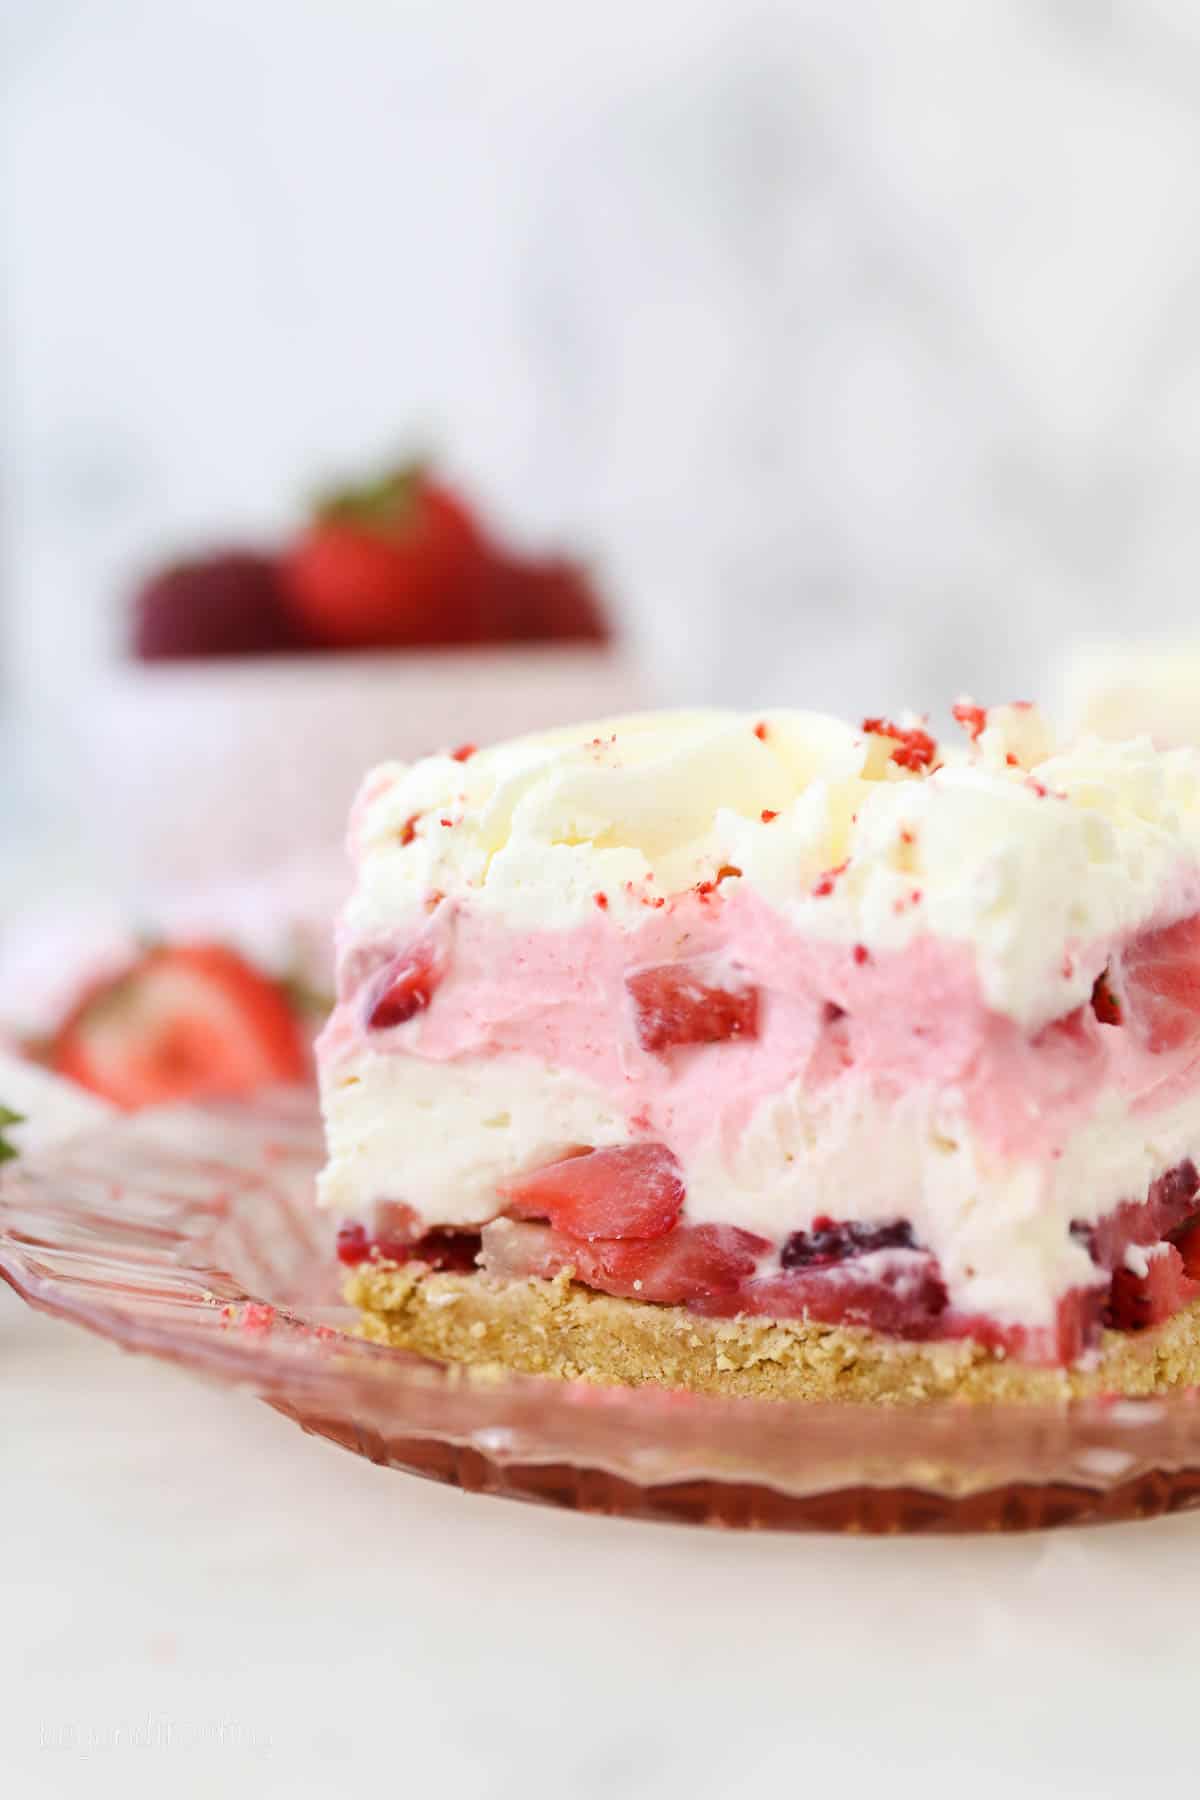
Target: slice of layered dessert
[(772, 1056)]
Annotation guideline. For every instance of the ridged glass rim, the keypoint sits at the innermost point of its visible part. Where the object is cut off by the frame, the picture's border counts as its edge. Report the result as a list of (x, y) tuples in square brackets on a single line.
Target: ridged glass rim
[(190, 1235)]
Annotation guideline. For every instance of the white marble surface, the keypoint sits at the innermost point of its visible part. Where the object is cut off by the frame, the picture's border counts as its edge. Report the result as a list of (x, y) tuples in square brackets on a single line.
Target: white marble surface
[(181, 1563)]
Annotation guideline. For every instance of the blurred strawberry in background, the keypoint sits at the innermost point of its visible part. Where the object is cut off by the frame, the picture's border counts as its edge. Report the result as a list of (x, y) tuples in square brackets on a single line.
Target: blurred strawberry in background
[(228, 604), (184, 1022), (397, 563)]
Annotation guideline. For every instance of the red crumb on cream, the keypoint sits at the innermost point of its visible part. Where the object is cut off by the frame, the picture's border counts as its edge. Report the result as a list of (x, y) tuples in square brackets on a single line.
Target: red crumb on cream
[(915, 748)]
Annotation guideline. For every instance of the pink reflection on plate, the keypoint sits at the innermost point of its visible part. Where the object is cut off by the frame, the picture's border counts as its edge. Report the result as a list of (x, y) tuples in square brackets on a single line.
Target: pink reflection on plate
[(191, 1236)]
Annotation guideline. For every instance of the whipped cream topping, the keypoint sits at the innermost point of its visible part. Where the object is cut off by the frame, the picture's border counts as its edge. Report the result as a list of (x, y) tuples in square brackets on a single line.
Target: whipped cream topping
[(875, 837)]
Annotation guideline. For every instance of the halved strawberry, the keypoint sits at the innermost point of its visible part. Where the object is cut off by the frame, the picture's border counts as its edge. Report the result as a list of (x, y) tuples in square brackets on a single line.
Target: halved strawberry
[(689, 1002), (187, 1021), (1137, 1302), (1161, 980), (630, 1190)]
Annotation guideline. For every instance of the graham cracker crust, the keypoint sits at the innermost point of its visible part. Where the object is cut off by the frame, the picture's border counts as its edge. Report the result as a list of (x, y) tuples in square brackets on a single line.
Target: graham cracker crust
[(562, 1329)]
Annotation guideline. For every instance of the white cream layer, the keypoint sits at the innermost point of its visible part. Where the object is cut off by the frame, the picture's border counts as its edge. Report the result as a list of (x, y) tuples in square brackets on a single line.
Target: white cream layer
[(1018, 854), (998, 1226)]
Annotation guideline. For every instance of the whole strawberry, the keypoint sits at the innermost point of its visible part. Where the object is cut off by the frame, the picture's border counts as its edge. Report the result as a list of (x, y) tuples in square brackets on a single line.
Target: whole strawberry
[(227, 604), (396, 564)]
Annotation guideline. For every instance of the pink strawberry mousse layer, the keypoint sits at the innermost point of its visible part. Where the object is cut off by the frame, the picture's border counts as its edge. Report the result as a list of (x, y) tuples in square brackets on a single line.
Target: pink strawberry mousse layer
[(829, 1067), (898, 1020)]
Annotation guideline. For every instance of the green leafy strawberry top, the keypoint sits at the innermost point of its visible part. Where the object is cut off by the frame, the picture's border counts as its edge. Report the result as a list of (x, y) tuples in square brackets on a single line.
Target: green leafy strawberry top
[(7, 1117), (386, 503)]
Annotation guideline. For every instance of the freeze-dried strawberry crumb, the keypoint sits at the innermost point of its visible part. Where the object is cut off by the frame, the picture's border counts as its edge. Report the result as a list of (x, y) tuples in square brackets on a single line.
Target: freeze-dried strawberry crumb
[(464, 753), (446, 822), (972, 718), (408, 830), (257, 1316), (1011, 760), (1037, 788), (768, 815), (906, 836), (861, 954), (915, 749), (825, 884), (601, 901), (760, 731), (727, 871)]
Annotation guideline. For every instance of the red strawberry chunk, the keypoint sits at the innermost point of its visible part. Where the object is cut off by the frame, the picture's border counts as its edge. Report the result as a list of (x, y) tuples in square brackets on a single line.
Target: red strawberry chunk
[(441, 1248), (1136, 1301), (1188, 1246), (1171, 1202), (1076, 1327), (903, 1294), (632, 1190), (687, 1263), (1162, 985), (688, 1003), (405, 987)]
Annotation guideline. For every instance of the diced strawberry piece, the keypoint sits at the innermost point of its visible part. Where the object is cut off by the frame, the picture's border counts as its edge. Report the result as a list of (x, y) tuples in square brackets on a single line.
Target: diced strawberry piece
[(405, 987), (687, 1263), (512, 1250), (442, 1248), (1161, 972), (687, 1003), (186, 1022), (456, 1250), (904, 1295), (1188, 1246), (1172, 1201), (353, 1244), (1137, 1302), (1105, 1004), (1078, 1320), (632, 1190)]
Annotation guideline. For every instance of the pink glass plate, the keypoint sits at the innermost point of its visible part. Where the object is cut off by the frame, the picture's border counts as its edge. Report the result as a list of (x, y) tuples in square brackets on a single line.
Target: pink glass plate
[(192, 1235)]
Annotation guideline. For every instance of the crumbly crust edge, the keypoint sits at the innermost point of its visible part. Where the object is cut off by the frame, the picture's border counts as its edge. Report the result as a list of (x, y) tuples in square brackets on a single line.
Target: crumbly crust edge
[(562, 1329)]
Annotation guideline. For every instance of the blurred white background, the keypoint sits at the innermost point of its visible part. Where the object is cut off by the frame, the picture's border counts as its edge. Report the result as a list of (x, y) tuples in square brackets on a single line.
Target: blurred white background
[(861, 344)]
